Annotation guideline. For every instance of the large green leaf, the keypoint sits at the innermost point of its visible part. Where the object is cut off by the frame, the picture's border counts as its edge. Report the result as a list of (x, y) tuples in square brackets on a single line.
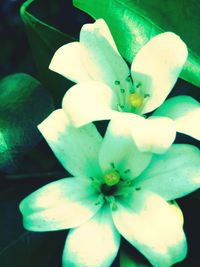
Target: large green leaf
[(44, 41), (134, 22), (24, 104)]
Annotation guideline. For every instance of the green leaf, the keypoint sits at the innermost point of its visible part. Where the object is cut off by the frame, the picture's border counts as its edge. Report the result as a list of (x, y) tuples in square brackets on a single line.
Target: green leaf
[(130, 260), (44, 41), (133, 23), (24, 104)]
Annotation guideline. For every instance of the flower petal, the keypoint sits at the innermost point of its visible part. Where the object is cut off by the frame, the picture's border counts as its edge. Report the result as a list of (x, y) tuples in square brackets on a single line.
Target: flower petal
[(102, 59), (156, 67), (173, 174), (119, 151), (86, 102), (59, 205), (67, 62), (155, 134), (185, 111), (76, 148), (151, 225), (93, 244)]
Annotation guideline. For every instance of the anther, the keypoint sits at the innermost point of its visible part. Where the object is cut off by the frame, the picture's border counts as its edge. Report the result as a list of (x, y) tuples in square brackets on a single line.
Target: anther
[(128, 78), (146, 95), (138, 85), (112, 164), (117, 82), (127, 170), (138, 188), (120, 107), (97, 203), (114, 206)]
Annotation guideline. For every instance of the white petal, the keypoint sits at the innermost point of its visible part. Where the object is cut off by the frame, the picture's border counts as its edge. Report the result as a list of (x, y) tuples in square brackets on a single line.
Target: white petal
[(119, 151), (161, 134), (155, 134), (59, 205), (173, 174), (185, 111), (102, 60), (76, 148), (93, 244), (157, 66), (151, 225), (86, 102), (67, 62)]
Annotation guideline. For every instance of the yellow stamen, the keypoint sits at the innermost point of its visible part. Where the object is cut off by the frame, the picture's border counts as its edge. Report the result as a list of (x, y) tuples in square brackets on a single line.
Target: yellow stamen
[(136, 100), (112, 178)]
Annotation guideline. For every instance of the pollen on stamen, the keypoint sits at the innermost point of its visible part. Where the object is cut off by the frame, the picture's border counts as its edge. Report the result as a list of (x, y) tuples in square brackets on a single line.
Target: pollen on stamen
[(114, 206), (146, 95), (120, 107), (138, 85), (112, 164), (138, 188), (128, 78), (136, 100), (117, 82)]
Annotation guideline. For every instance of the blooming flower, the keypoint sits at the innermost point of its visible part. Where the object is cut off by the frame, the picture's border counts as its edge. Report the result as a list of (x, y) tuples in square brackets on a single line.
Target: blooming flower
[(106, 86), (117, 190)]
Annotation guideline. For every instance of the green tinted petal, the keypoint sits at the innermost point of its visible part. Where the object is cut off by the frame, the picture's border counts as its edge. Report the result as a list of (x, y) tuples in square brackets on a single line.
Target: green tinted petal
[(93, 244), (157, 66), (119, 150), (185, 111), (59, 205), (67, 62), (76, 148), (153, 227), (173, 174), (87, 102)]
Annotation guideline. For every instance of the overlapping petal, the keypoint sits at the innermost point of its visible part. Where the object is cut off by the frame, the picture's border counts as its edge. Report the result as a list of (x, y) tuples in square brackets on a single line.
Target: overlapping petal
[(93, 244), (173, 174), (102, 59), (87, 102), (155, 134), (60, 205), (95, 57), (67, 62), (151, 225), (185, 111), (76, 148), (119, 151), (156, 67)]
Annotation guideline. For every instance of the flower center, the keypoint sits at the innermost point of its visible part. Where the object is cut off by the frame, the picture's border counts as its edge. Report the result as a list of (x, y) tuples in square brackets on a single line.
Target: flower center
[(136, 100), (108, 190), (111, 178)]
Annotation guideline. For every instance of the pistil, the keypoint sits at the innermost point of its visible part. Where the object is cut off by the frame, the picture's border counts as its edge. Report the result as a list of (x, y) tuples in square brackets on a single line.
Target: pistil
[(111, 178)]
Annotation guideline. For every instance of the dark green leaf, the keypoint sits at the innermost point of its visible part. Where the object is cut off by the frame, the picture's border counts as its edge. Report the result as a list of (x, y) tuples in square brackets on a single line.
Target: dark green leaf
[(131, 259), (45, 40), (24, 104), (134, 22)]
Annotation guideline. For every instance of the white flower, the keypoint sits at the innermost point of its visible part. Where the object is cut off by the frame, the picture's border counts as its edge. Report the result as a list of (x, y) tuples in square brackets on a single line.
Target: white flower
[(105, 86), (117, 190)]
